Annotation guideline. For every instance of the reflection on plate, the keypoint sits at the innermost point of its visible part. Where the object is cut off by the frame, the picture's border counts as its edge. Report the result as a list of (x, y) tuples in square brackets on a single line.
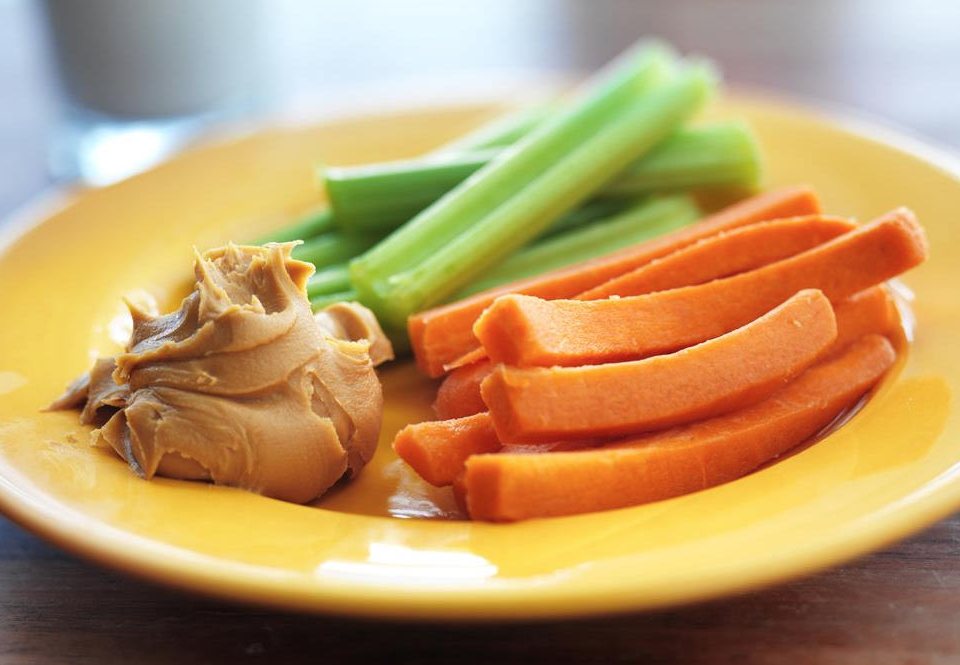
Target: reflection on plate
[(887, 473)]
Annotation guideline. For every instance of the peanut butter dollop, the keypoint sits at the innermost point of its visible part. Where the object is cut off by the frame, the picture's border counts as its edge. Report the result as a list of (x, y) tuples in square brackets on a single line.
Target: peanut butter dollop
[(243, 385)]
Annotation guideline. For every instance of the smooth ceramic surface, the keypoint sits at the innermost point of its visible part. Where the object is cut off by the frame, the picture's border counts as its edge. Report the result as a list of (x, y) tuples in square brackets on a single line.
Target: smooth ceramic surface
[(889, 472)]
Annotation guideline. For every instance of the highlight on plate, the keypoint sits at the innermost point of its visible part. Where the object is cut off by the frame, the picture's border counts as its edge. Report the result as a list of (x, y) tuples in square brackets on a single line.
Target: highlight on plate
[(604, 337)]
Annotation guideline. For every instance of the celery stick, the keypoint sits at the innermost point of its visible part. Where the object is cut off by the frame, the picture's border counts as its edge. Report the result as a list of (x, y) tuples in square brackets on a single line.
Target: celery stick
[(380, 197), (394, 292), (636, 224), (500, 132), (507, 175), (383, 196), (329, 280), (319, 302), (335, 279), (313, 223), (331, 248), (356, 193), (718, 155)]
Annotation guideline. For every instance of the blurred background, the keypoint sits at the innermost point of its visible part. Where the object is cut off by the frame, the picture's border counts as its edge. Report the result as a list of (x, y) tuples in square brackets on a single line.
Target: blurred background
[(101, 88)]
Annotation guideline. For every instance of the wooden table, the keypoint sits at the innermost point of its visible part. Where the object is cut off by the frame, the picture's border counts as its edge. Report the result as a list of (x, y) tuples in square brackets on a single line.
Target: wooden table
[(891, 59)]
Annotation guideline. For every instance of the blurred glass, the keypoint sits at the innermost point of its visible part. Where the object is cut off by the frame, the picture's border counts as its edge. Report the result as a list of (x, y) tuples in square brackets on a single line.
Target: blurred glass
[(139, 78)]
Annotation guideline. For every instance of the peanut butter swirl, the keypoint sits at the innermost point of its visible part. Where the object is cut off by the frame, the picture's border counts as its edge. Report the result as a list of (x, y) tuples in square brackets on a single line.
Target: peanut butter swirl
[(243, 385)]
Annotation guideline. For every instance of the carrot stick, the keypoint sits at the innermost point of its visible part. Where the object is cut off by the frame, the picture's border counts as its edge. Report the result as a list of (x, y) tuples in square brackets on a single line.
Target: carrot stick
[(724, 254), (442, 334), (527, 331), (459, 394), (437, 450), (541, 405), (677, 461), (871, 311), (720, 255)]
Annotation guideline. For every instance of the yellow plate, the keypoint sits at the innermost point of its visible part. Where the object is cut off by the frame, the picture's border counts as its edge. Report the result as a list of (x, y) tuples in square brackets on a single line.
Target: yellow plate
[(889, 472)]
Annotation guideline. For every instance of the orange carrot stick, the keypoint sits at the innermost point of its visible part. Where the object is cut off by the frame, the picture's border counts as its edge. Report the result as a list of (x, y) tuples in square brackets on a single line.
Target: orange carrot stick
[(677, 461), (459, 394), (437, 450), (720, 255), (871, 311), (527, 331), (868, 312), (443, 334), (724, 254), (541, 405)]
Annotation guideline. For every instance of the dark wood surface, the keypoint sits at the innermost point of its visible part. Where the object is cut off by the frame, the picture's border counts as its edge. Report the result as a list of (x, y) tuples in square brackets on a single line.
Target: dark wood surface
[(897, 606), (896, 60)]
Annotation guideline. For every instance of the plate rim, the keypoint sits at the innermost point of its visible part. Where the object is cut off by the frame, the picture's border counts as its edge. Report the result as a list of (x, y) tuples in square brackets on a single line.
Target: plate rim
[(117, 549)]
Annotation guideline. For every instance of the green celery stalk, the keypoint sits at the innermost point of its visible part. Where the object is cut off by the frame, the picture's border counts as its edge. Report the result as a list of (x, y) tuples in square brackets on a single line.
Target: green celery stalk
[(332, 248), (395, 288), (409, 192), (380, 197), (500, 132), (636, 224), (507, 175), (382, 276), (717, 155), (336, 278), (383, 196), (332, 279)]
